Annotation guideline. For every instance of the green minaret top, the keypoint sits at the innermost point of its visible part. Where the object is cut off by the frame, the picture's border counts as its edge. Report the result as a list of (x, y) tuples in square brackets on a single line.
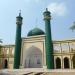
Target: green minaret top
[(19, 19), (47, 14)]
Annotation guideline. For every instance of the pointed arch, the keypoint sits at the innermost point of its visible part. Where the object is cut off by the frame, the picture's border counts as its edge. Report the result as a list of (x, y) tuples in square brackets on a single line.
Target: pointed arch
[(58, 63), (5, 63), (66, 62), (33, 58)]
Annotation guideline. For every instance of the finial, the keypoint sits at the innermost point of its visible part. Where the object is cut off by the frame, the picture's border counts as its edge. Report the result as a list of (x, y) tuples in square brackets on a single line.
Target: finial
[(20, 13), (46, 9)]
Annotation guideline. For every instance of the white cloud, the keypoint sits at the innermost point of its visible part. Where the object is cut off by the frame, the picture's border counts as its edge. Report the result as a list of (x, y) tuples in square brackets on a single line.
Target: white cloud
[(59, 9)]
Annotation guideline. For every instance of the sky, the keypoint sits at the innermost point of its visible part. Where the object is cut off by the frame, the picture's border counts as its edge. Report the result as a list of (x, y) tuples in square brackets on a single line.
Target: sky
[(62, 13)]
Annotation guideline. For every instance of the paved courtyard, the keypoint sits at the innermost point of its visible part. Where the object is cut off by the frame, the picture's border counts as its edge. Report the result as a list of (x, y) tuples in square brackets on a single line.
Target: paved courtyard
[(37, 71)]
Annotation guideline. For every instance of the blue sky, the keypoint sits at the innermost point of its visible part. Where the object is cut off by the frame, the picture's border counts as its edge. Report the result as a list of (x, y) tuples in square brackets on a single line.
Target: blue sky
[(62, 12)]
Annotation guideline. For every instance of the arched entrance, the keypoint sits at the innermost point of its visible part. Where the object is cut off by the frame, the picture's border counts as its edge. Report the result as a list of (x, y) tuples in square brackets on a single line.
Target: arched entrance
[(66, 62), (73, 59), (33, 58), (5, 63), (58, 63)]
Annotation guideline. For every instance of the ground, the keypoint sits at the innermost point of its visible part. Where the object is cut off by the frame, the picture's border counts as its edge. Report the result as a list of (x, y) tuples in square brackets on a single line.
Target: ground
[(37, 71)]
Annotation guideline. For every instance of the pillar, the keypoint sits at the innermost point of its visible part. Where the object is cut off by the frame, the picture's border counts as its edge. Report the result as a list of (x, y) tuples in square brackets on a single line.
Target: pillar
[(17, 53), (48, 40)]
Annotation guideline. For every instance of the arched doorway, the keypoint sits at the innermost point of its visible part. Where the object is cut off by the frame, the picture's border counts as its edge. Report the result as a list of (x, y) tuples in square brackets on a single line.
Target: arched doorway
[(5, 63), (66, 62), (33, 58), (73, 59), (58, 63)]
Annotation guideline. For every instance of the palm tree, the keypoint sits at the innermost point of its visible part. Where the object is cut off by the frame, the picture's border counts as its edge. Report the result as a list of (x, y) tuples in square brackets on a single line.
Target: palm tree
[(73, 26), (1, 41)]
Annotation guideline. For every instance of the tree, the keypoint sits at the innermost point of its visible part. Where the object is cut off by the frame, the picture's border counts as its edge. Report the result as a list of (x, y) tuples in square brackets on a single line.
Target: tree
[(73, 26)]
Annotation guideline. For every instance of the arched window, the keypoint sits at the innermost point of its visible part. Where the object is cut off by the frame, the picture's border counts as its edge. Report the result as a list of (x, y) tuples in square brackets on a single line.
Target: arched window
[(58, 63), (5, 63), (66, 62)]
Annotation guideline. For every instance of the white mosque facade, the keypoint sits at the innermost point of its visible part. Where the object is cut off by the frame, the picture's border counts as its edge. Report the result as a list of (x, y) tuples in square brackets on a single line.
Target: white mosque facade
[(33, 54)]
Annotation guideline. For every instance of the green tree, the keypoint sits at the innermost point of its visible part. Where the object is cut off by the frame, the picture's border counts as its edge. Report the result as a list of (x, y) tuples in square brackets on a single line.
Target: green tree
[(73, 26)]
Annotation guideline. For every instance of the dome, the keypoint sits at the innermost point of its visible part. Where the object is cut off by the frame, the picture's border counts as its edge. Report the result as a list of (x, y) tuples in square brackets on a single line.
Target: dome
[(35, 31)]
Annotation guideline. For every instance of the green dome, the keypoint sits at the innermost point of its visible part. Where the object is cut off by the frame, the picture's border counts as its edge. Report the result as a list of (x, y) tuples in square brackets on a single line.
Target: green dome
[(35, 31)]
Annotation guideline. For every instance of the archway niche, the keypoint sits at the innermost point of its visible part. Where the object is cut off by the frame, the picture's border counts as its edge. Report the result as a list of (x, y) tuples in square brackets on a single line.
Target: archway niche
[(33, 58), (58, 63), (73, 60), (5, 63), (66, 63)]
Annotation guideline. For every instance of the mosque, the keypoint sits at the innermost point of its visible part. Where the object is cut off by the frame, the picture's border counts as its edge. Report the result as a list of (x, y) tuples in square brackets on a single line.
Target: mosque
[(37, 50)]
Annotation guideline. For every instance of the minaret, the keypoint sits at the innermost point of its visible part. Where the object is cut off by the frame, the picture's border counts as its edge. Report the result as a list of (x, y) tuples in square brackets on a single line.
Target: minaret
[(48, 40), (17, 53)]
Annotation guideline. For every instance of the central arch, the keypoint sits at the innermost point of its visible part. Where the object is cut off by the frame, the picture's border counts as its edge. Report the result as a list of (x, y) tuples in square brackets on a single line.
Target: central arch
[(33, 58)]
